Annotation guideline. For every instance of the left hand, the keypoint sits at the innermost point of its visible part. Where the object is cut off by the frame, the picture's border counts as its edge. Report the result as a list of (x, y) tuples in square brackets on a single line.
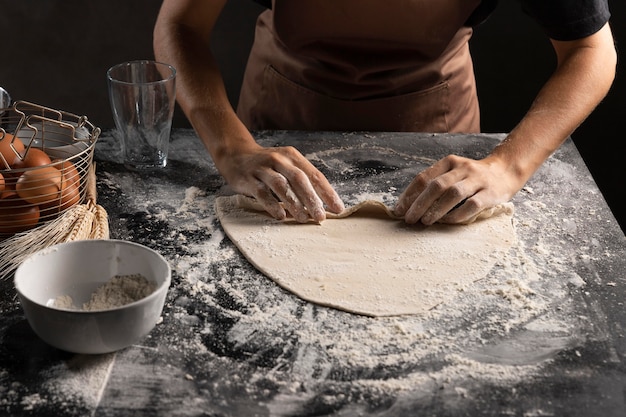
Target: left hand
[(585, 71), (455, 189)]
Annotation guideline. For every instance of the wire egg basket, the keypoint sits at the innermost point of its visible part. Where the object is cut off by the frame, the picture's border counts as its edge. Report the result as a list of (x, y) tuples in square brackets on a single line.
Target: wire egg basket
[(46, 157)]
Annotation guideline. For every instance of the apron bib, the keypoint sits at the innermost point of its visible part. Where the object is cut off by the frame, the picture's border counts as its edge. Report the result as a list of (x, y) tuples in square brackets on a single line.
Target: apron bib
[(357, 65)]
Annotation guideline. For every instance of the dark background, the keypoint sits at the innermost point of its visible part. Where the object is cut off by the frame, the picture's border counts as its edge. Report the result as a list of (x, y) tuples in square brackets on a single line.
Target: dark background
[(56, 53)]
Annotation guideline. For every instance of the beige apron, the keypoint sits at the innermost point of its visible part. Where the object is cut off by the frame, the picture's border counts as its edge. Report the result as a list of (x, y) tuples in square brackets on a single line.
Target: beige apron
[(362, 65)]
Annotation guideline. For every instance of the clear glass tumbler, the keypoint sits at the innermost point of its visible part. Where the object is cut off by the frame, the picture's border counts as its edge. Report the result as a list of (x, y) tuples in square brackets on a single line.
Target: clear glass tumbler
[(5, 98), (142, 95)]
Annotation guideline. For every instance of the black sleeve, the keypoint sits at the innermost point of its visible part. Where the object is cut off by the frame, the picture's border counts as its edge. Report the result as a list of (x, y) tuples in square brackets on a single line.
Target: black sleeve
[(567, 20), (481, 13), (264, 3)]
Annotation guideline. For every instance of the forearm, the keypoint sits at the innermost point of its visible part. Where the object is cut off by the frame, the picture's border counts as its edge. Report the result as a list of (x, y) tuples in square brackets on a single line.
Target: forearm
[(583, 77), (200, 89)]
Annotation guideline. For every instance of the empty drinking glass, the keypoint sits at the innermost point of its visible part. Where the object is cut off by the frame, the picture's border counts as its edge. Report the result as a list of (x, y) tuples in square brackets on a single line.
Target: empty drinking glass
[(142, 95)]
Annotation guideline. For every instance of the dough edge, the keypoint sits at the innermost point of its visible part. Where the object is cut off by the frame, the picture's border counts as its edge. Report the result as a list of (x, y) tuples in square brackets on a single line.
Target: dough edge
[(249, 203)]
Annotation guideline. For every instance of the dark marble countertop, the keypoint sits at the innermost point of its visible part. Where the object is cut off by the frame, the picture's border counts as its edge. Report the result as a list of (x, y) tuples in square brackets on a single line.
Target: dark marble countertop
[(541, 335)]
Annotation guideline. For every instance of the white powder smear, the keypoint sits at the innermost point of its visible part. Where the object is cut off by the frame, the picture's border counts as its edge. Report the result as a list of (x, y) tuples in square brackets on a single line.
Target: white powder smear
[(233, 343)]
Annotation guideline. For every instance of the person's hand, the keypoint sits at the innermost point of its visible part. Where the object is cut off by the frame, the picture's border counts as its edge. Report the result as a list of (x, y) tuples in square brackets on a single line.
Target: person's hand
[(281, 175), (455, 189)]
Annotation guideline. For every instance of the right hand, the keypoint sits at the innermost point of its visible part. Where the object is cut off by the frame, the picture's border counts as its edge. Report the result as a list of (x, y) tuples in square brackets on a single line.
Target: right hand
[(280, 175), (280, 179)]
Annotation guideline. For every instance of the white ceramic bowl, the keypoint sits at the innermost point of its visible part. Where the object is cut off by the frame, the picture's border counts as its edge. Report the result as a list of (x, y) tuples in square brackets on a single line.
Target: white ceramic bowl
[(77, 269)]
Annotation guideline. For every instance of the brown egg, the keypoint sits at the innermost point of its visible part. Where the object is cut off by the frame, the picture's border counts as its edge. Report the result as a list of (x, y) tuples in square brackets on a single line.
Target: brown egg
[(7, 143), (9, 188), (69, 196), (69, 171), (34, 157), (2, 184), (17, 215), (8, 194), (10, 178), (40, 186)]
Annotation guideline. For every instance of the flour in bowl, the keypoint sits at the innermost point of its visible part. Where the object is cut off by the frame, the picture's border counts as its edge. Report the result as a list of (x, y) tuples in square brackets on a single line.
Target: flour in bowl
[(118, 291)]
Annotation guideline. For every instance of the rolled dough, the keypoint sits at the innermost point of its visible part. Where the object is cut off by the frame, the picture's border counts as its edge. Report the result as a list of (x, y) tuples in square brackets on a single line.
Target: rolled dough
[(365, 260)]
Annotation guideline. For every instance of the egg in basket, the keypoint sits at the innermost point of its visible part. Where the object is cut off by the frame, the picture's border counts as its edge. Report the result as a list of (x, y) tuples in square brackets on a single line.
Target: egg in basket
[(47, 180)]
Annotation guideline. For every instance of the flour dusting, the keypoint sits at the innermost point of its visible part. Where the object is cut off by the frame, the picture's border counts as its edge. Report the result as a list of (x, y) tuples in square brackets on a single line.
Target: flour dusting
[(231, 342), (313, 349)]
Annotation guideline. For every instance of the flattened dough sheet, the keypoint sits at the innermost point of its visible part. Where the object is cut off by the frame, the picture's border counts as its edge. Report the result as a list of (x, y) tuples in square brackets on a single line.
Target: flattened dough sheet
[(365, 260)]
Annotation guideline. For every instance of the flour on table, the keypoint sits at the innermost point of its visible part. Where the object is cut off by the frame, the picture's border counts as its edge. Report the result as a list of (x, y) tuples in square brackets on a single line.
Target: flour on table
[(366, 260)]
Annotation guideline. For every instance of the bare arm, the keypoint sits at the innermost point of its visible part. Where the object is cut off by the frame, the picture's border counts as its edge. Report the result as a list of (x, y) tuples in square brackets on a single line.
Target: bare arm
[(182, 38), (585, 71)]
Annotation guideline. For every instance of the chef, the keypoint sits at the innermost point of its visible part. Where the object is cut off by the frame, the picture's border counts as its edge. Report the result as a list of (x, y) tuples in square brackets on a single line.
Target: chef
[(371, 65)]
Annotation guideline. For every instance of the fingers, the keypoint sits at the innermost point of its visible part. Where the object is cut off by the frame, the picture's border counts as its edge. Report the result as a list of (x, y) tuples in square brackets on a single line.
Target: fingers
[(322, 189), (451, 191), (419, 185), (423, 193), (277, 188), (464, 212), (441, 196), (289, 178), (267, 199)]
